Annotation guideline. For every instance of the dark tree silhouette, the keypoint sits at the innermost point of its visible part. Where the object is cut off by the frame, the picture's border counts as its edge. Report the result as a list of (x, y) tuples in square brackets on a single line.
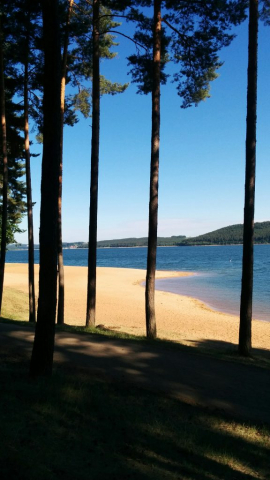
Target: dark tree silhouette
[(154, 170), (42, 355), (61, 287), (92, 252), (31, 273), (26, 16), (248, 234), (5, 167)]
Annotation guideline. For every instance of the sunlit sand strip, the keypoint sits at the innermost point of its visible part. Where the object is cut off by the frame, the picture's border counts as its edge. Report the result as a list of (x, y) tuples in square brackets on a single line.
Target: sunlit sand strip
[(120, 305)]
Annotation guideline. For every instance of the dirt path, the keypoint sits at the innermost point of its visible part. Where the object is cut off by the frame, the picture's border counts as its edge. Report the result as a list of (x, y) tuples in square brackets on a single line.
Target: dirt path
[(197, 379)]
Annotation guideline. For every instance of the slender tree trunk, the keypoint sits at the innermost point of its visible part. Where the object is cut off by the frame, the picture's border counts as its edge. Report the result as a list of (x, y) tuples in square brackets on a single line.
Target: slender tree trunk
[(151, 330), (42, 355), (92, 251), (31, 274), (248, 235), (5, 168), (61, 290)]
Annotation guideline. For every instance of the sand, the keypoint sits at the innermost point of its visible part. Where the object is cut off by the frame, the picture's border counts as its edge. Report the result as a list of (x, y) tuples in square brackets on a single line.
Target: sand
[(120, 306)]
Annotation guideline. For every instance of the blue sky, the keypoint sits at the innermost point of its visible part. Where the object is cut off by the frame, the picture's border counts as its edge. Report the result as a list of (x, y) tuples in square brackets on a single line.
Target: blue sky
[(202, 156)]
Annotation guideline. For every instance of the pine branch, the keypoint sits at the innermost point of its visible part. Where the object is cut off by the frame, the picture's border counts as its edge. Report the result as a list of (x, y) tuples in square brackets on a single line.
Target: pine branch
[(186, 38), (126, 36)]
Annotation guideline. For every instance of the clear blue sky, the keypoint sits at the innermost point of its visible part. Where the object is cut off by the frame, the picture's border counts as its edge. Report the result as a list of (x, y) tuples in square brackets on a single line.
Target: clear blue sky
[(202, 157)]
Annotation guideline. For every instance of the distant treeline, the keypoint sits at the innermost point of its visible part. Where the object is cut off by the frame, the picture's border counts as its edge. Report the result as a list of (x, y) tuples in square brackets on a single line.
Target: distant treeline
[(141, 242)]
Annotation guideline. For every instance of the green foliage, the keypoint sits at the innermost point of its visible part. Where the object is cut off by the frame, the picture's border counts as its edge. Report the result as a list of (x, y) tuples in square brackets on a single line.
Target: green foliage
[(192, 35), (199, 31), (265, 11), (17, 24), (16, 186), (24, 43), (80, 59), (110, 88), (142, 62), (25, 19), (81, 102)]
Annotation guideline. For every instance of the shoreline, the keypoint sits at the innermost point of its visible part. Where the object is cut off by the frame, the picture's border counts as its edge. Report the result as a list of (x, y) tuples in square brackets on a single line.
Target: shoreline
[(120, 306), (211, 302)]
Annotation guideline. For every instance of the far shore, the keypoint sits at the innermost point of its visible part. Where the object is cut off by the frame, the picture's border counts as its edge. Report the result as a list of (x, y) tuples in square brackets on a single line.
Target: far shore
[(120, 306), (144, 246)]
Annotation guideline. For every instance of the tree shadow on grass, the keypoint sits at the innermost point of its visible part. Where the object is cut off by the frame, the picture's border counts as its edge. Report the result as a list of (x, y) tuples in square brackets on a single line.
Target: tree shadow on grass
[(78, 426), (238, 389), (231, 351)]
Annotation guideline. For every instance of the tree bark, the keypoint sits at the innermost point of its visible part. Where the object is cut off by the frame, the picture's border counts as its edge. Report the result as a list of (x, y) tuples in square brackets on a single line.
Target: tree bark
[(31, 275), (42, 355), (248, 234), (151, 330), (92, 251), (5, 168), (61, 287)]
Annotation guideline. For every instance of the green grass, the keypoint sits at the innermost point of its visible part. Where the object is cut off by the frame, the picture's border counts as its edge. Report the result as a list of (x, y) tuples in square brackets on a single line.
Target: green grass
[(100, 330), (15, 304), (78, 426)]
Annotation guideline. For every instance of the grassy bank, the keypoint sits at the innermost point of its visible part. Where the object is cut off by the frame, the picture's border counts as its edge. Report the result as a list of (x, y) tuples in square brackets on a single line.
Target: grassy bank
[(77, 426)]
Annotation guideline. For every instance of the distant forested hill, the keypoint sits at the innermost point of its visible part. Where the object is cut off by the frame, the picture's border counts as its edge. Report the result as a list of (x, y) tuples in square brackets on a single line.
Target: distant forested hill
[(141, 242), (232, 235)]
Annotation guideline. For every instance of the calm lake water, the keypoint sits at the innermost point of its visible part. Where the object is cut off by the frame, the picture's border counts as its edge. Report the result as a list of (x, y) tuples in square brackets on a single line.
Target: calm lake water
[(216, 279)]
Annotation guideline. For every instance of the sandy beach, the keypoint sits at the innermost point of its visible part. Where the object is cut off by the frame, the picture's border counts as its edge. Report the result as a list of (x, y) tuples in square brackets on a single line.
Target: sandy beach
[(120, 306)]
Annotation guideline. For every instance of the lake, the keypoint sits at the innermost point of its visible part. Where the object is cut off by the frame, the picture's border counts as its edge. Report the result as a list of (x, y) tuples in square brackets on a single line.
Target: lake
[(217, 272)]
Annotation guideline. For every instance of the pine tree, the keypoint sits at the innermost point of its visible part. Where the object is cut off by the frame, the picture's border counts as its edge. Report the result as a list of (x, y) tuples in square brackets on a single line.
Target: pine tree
[(61, 291), (151, 329), (102, 22), (31, 260), (91, 284), (5, 166), (42, 354), (248, 234)]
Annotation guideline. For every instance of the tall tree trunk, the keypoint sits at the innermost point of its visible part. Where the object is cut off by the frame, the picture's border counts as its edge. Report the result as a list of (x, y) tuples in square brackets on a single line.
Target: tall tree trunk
[(248, 235), (42, 355), (92, 251), (31, 274), (151, 330), (5, 168), (61, 290)]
